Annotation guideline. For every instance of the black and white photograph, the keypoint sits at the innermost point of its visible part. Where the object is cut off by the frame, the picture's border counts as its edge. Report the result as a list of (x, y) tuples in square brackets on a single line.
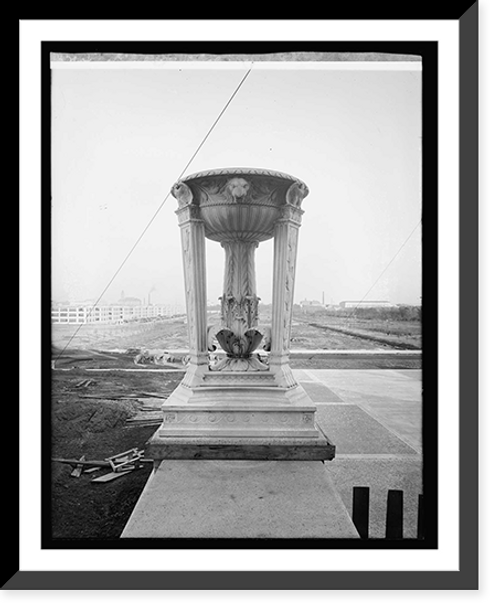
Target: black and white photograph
[(236, 297), (256, 332)]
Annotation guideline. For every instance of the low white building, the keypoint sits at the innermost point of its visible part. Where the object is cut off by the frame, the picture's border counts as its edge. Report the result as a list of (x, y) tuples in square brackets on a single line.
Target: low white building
[(77, 314), (366, 304)]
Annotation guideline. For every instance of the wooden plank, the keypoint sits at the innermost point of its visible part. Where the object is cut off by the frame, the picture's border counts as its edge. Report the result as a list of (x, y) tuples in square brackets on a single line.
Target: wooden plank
[(85, 463), (127, 464), (114, 397), (109, 476), (151, 394), (92, 463), (129, 467), (105, 397), (92, 469), (143, 422), (178, 451), (77, 471), (122, 454)]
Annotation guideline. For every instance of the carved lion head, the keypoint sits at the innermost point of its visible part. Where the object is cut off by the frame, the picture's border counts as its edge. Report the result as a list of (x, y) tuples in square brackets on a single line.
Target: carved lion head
[(237, 188)]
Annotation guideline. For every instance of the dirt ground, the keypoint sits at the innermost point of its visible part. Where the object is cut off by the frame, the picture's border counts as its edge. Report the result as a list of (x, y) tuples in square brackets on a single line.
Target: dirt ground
[(316, 331), (84, 423)]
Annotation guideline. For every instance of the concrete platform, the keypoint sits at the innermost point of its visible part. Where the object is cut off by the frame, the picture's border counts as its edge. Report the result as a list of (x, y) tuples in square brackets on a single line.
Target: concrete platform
[(373, 417), (240, 499)]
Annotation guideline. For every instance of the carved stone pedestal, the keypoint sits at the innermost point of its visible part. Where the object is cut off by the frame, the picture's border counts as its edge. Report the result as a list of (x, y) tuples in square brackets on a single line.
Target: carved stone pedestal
[(239, 454), (248, 397)]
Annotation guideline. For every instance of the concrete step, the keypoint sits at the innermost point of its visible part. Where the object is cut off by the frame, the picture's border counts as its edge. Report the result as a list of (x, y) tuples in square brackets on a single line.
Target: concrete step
[(240, 499)]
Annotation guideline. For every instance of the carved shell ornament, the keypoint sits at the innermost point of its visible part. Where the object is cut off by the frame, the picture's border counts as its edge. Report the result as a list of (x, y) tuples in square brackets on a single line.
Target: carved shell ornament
[(240, 347)]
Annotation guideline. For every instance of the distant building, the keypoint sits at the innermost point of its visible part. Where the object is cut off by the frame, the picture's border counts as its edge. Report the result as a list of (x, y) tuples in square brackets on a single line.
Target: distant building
[(366, 304), (129, 301), (311, 306), (77, 314)]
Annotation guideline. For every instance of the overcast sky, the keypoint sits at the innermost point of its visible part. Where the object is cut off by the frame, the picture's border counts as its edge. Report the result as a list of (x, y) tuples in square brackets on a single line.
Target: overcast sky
[(121, 137)]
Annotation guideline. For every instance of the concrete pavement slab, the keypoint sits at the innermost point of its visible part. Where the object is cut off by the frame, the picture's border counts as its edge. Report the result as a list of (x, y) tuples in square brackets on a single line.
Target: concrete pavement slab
[(352, 431), (240, 499), (392, 397), (380, 474)]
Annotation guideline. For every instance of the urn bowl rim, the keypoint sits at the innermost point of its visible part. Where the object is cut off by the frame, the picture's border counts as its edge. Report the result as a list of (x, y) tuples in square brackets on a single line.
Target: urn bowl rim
[(242, 171)]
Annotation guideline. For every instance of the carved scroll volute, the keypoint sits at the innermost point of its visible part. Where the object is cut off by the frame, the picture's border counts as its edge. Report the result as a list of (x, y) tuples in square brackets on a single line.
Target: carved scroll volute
[(182, 194), (188, 209), (296, 193)]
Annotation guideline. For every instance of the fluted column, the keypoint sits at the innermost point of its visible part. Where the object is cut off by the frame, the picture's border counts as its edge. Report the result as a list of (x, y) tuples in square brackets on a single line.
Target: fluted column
[(194, 264), (286, 236)]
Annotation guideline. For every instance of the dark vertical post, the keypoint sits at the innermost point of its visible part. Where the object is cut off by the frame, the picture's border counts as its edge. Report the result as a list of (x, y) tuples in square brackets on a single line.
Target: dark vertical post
[(421, 517), (360, 510), (394, 519)]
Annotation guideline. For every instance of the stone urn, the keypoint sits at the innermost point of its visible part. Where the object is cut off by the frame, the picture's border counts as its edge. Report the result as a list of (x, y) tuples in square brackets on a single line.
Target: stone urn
[(239, 208)]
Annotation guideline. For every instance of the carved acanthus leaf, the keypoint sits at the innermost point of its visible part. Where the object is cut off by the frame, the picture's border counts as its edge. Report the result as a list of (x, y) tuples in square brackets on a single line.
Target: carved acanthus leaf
[(239, 346)]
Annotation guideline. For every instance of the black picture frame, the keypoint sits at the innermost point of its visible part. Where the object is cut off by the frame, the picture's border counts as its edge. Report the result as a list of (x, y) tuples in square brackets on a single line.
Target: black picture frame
[(467, 577)]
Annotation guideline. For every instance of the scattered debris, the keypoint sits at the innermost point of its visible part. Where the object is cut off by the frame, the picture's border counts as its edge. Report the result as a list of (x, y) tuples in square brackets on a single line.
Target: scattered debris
[(84, 383), (120, 464), (126, 459), (157, 356)]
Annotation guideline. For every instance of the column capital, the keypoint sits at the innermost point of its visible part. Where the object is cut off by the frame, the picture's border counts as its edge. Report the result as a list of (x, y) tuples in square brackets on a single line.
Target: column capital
[(291, 214), (189, 213)]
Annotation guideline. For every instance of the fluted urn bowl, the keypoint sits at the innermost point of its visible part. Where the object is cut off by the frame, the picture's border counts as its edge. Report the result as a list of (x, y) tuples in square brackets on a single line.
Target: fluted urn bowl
[(239, 203)]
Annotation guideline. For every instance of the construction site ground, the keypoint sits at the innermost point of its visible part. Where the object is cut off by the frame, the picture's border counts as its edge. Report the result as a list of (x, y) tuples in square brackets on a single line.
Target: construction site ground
[(104, 403)]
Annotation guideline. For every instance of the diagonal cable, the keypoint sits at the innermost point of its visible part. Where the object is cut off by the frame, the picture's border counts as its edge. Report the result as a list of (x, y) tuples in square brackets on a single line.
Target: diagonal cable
[(156, 213), (383, 272)]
